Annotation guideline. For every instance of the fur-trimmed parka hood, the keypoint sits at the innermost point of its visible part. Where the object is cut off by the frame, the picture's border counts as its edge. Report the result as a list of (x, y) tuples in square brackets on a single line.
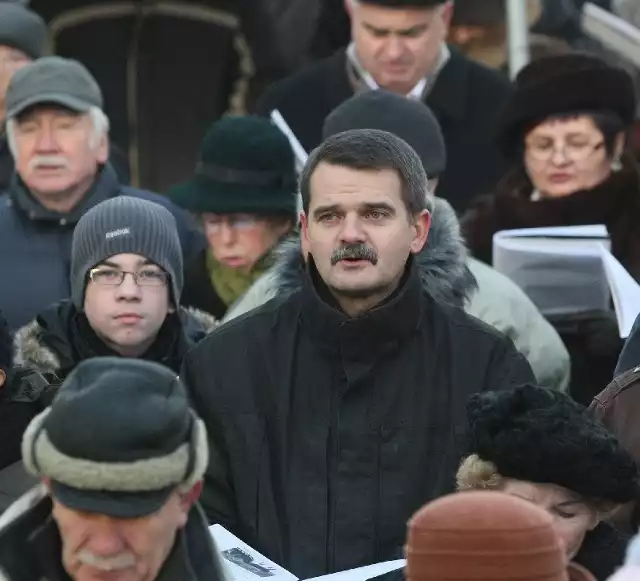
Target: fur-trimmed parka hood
[(442, 263), (45, 344)]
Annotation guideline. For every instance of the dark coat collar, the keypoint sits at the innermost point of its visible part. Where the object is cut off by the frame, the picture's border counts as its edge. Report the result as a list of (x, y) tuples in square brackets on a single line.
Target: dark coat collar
[(106, 185), (381, 329)]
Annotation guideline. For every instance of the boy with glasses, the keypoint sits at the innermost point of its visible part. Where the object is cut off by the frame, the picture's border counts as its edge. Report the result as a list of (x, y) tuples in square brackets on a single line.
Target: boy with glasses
[(126, 280)]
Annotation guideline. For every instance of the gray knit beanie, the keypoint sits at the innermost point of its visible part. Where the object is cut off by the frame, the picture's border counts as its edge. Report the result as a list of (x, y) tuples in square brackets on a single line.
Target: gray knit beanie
[(125, 225)]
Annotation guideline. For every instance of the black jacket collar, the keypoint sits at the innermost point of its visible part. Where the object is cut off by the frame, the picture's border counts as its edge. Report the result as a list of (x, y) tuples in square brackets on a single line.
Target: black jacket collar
[(379, 330)]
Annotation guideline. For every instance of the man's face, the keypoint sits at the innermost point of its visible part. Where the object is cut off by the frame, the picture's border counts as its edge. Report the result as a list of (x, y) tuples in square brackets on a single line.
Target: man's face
[(11, 60), (57, 150), (128, 315), (358, 230), (398, 46), (101, 548)]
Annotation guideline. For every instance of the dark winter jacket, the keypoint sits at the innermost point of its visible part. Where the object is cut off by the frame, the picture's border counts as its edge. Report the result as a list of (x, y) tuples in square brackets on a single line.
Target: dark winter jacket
[(36, 244), (60, 337), (466, 98), (327, 433), (31, 547), (603, 551)]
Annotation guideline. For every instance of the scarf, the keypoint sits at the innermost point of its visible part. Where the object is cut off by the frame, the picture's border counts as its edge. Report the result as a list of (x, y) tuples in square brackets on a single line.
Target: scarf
[(231, 283)]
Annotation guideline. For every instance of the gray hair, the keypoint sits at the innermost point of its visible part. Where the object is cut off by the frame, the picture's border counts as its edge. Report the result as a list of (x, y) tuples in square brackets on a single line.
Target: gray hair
[(99, 120), (372, 149)]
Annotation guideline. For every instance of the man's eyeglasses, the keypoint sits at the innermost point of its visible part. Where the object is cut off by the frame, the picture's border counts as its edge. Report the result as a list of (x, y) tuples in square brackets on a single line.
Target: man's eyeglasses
[(103, 276), (544, 151)]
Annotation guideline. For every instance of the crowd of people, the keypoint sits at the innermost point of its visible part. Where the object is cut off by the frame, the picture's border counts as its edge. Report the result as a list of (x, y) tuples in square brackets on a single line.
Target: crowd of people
[(316, 352)]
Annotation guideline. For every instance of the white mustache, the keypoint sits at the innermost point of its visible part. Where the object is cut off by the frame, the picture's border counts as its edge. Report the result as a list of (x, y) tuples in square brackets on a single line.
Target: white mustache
[(48, 161), (114, 563)]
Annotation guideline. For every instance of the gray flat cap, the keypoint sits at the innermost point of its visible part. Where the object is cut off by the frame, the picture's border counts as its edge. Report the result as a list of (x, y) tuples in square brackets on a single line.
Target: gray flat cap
[(53, 80)]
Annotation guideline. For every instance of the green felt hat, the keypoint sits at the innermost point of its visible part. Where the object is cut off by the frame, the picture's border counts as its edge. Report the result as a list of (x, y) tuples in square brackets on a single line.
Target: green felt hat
[(246, 165)]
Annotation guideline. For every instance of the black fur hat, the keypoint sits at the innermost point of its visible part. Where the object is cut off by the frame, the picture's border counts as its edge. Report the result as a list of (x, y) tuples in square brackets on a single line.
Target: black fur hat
[(539, 435), (563, 84)]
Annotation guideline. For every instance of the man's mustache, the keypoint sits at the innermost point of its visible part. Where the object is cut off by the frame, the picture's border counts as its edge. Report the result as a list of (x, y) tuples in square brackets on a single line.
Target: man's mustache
[(47, 161), (355, 252), (114, 563)]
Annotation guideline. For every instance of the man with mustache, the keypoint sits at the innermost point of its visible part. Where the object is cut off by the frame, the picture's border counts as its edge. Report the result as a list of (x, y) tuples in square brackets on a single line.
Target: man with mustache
[(335, 411), (120, 456), (400, 46), (58, 135)]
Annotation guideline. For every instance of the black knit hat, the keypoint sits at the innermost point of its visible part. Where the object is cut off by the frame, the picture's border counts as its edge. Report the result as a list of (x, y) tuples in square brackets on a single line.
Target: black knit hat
[(118, 439), (563, 84), (408, 119), (246, 165), (22, 29), (539, 435), (124, 225)]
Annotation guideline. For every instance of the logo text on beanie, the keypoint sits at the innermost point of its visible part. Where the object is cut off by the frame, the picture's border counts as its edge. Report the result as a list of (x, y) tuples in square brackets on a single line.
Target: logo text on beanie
[(116, 233)]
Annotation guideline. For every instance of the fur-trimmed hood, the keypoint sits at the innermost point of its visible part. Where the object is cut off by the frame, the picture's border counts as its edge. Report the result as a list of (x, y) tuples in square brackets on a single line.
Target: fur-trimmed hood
[(442, 263), (42, 344)]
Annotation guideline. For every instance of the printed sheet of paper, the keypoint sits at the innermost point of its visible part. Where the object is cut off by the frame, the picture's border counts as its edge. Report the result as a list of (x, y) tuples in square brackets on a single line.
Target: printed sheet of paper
[(625, 293), (243, 563)]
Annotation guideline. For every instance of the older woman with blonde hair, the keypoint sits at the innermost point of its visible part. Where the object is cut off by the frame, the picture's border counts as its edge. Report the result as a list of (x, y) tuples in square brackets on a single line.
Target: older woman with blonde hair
[(542, 446)]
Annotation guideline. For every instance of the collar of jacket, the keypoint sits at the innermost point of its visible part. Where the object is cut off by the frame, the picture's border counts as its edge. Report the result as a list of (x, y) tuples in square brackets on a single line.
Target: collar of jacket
[(442, 264), (381, 329), (49, 345), (106, 185), (191, 559)]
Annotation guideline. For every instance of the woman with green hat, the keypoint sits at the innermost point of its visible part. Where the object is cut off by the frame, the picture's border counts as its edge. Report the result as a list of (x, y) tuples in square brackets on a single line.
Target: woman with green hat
[(244, 193)]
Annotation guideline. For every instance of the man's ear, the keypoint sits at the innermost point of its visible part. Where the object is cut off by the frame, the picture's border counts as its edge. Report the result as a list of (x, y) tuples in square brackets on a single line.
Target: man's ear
[(421, 225), (189, 498), (304, 234), (3, 378)]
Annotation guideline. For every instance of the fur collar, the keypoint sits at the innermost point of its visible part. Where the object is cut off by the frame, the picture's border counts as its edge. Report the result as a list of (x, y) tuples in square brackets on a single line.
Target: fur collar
[(31, 352), (442, 263)]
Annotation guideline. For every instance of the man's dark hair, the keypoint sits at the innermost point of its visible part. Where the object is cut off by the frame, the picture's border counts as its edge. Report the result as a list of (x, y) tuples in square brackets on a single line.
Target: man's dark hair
[(6, 345), (372, 149)]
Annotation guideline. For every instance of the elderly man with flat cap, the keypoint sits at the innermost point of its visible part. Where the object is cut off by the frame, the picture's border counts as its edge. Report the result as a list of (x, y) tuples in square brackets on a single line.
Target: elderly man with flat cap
[(121, 457), (58, 135)]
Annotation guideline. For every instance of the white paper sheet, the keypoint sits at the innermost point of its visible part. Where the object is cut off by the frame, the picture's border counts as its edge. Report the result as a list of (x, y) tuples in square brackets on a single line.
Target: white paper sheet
[(625, 293), (243, 563)]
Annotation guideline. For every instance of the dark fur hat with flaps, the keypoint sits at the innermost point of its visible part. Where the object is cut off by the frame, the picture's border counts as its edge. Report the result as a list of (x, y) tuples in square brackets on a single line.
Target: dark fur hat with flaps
[(543, 436), (558, 85), (118, 439)]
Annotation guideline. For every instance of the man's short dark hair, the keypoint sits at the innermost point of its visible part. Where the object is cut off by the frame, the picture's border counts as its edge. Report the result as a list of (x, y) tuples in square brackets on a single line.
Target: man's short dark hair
[(372, 149)]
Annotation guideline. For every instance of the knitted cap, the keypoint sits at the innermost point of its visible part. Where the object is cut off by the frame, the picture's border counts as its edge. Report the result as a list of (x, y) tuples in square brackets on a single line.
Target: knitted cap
[(408, 119), (246, 165), (483, 535), (118, 439), (125, 225), (22, 29), (563, 84)]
